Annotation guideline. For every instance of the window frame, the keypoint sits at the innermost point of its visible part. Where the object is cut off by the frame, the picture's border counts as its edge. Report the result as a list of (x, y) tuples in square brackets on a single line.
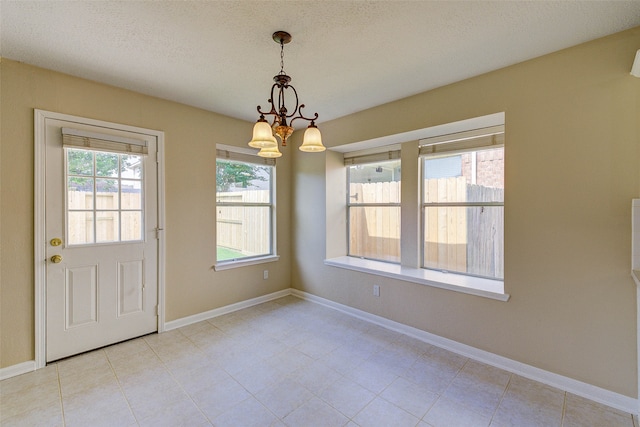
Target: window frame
[(424, 205), (94, 210), (386, 157), (249, 157)]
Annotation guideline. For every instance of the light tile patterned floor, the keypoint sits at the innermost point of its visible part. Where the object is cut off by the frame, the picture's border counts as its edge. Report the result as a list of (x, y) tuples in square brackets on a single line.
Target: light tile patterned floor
[(288, 362)]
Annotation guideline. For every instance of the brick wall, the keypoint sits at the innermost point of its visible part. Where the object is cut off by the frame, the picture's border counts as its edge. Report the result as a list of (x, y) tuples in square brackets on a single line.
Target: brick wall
[(489, 167)]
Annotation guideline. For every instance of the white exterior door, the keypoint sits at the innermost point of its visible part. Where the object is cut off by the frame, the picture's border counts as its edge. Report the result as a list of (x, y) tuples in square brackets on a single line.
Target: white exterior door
[(101, 221)]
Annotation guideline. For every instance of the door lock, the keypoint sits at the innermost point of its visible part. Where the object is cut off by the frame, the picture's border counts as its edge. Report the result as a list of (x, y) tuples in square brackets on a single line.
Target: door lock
[(56, 242), (56, 259)]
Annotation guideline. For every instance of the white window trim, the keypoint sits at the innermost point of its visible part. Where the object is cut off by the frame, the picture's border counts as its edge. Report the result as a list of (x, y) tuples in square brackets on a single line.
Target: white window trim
[(241, 154), (487, 288), (424, 205), (243, 262)]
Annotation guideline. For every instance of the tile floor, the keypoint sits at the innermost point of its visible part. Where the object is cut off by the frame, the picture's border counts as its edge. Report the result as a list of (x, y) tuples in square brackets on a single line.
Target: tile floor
[(287, 362)]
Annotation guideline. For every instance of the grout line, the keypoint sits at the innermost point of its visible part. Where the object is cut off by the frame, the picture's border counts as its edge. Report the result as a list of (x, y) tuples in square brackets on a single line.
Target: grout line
[(504, 393), (564, 407), (120, 387), (64, 422)]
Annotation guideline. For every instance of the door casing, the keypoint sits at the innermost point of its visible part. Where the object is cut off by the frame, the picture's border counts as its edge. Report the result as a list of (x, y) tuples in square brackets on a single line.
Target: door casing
[(40, 242)]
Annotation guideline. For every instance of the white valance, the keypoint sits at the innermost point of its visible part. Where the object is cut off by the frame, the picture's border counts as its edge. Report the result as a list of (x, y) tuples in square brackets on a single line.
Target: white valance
[(490, 137), (244, 157), (371, 158), (76, 138)]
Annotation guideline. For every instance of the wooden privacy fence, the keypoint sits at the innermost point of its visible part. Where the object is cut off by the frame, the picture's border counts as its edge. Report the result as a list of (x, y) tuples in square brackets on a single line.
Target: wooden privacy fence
[(464, 239), (456, 238), (375, 230), (244, 229), (80, 216)]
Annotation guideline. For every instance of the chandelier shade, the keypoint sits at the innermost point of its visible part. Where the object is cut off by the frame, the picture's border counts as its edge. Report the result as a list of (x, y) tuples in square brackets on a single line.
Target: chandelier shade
[(270, 152), (262, 135), (283, 117), (312, 140)]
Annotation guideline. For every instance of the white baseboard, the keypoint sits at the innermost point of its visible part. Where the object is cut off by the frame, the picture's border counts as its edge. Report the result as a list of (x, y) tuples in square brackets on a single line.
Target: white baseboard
[(588, 391), (178, 323), (19, 369)]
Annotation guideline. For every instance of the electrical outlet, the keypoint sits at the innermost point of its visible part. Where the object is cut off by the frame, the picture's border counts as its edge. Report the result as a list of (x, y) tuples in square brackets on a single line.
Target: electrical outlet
[(376, 290), (265, 274)]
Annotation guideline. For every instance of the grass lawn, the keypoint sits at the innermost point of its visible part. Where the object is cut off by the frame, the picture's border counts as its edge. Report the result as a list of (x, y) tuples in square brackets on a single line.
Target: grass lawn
[(224, 254)]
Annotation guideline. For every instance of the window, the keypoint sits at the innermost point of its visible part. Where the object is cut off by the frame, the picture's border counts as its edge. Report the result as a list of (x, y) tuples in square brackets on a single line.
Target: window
[(104, 183), (373, 191), (463, 203), (452, 206), (245, 207)]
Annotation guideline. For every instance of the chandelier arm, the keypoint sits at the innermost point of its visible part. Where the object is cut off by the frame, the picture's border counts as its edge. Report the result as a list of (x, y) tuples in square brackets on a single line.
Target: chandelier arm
[(273, 111), (282, 108), (295, 110), (301, 116)]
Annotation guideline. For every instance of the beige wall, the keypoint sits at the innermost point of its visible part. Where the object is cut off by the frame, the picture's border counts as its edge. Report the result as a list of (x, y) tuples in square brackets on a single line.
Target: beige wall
[(572, 168), (190, 137)]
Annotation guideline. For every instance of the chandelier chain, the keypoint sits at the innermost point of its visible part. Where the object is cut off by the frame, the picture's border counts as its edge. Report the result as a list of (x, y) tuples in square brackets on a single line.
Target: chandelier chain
[(282, 57)]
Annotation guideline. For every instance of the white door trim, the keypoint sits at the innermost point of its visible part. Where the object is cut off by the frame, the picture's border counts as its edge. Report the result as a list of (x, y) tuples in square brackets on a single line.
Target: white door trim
[(39, 221)]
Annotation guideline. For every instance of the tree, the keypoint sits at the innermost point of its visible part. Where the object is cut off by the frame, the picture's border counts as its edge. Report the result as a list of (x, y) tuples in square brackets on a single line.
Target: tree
[(240, 174), (80, 163)]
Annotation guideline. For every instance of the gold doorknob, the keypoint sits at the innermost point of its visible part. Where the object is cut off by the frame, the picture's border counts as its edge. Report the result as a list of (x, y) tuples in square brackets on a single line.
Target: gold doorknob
[(56, 259)]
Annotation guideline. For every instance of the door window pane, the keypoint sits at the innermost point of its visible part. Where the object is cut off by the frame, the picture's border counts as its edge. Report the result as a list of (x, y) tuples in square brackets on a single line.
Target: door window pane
[(79, 193), (99, 199), (107, 164), (79, 162), (80, 228), (107, 194), (107, 226), (131, 194), (130, 166), (131, 228)]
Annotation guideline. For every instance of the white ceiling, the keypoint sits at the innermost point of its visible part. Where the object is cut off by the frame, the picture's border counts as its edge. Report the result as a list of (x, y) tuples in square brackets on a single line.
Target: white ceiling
[(345, 56)]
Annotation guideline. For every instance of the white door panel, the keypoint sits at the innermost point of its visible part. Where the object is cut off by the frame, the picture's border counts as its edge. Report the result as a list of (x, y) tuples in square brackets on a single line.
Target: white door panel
[(105, 287), (81, 296)]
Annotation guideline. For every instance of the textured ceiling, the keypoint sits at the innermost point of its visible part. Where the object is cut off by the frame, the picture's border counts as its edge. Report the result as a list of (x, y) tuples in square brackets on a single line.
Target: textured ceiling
[(345, 56)]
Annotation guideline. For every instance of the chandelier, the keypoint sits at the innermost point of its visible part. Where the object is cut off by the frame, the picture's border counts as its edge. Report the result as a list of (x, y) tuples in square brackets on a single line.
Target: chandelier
[(263, 132)]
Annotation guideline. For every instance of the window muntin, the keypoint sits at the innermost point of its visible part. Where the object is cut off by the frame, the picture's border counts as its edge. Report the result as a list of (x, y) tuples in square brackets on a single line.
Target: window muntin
[(245, 210), (373, 192), (104, 197), (463, 212)]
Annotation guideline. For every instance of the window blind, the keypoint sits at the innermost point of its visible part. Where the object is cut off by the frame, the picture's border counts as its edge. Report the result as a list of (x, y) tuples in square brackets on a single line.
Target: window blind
[(244, 157), (491, 137), (76, 138), (371, 158)]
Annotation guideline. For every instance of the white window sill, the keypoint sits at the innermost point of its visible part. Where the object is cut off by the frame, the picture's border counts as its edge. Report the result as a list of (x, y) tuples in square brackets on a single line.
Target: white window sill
[(227, 265), (478, 286)]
